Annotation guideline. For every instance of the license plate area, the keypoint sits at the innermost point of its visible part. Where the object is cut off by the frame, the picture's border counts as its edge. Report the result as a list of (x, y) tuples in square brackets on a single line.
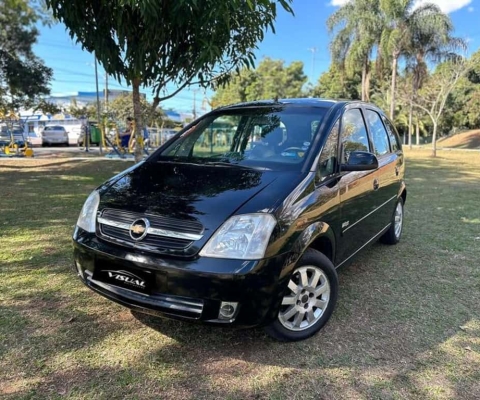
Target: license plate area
[(138, 280)]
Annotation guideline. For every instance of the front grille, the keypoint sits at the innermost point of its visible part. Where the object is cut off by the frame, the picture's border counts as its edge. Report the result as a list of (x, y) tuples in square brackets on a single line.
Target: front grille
[(171, 228)]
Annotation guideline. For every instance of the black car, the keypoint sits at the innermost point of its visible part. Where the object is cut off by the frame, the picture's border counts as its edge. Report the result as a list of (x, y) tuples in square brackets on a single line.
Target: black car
[(247, 230)]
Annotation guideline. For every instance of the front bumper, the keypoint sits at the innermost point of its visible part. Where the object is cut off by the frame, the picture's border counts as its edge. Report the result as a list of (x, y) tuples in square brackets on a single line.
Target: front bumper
[(190, 289)]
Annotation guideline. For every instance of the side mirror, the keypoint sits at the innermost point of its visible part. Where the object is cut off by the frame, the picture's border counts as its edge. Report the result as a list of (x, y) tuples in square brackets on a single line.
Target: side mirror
[(360, 161)]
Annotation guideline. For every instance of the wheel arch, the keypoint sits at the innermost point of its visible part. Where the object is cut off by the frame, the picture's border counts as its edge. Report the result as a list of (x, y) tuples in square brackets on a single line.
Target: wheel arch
[(318, 236)]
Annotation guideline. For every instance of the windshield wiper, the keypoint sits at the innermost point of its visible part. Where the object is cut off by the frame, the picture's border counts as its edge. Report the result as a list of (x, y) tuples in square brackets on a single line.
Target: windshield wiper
[(225, 163), (235, 165)]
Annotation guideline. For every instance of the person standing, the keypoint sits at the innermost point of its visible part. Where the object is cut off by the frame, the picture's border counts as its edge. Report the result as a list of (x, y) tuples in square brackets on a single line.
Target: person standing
[(127, 133)]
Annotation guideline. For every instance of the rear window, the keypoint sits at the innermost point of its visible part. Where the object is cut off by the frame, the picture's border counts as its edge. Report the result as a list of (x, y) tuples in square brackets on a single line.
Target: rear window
[(270, 137), (54, 128)]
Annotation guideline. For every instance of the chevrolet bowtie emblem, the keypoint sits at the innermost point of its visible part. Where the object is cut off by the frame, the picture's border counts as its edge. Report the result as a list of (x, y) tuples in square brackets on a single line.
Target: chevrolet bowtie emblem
[(138, 229)]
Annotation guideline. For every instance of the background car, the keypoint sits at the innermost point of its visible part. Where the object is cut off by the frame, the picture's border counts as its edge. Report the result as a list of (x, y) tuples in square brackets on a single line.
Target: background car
[(5, 135), (54, 134)]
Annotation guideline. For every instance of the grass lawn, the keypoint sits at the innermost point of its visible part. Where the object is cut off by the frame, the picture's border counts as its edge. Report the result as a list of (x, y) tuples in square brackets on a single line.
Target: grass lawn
[(407, 323)]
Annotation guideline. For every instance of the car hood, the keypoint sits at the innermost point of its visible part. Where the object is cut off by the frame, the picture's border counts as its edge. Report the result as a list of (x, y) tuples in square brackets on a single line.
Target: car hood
[(188, 193)]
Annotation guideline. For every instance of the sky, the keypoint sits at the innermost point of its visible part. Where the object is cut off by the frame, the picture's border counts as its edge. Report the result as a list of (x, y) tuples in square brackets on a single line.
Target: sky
[(302, 37)]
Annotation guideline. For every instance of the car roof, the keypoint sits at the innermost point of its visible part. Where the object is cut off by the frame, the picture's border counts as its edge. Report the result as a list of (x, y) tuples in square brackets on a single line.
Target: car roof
[(305, 102)]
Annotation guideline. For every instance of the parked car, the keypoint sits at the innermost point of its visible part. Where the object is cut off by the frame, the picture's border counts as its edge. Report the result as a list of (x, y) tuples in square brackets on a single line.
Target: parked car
[(6, 133), (247, 237), (54, 134)]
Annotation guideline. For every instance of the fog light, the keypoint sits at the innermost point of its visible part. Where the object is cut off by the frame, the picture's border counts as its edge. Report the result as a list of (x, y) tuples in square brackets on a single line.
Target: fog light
[(227, 310)]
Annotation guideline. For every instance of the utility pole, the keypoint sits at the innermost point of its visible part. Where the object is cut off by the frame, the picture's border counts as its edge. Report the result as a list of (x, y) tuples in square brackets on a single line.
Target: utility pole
[(313, 50), (106, 92), (195, 103), (98, 101)]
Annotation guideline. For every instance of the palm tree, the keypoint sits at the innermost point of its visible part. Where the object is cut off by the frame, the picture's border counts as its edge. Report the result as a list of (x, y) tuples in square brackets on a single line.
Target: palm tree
[(434, 43), (402, 22), (357, 33)]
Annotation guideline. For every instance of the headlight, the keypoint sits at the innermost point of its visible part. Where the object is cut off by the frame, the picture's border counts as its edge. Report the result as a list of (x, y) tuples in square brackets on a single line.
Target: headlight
[(86, 219), (243, 237)]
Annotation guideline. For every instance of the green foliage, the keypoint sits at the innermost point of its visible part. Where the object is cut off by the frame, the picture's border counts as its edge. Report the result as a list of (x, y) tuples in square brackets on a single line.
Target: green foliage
[(337, 85), (272, 79), (23, 76), (89, 111), (122, 107)]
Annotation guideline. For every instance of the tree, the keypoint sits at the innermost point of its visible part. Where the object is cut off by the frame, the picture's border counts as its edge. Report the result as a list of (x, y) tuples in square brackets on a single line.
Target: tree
[(156, 43), (24, 78), (335, 84), (272, 79), (402, 21), (434, 95), (358, 28), (433, 43)]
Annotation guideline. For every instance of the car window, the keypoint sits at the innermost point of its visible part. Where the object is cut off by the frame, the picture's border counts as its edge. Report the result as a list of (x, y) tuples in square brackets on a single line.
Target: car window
[(354, 133), (327, 164), (379, 134), (394, 141)]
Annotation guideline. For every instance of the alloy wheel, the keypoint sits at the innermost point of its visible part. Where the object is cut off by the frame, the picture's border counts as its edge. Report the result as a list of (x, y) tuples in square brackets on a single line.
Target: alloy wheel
[(307, 299), (398, 220)]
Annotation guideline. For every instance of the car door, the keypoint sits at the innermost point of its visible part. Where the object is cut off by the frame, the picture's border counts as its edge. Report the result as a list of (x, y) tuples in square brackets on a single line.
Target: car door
[(388, 171), (326, 197), (357, 189)]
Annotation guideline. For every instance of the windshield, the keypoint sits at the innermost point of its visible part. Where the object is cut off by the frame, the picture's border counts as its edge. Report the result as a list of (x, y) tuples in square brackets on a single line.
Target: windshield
[(269, 137)]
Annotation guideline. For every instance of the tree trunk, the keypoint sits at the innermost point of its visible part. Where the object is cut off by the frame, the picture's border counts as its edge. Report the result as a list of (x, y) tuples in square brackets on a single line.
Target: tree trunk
[(367, 84), (434, 140), (417, 132), (137, 115), (410, 125), (394, 84), (364, 78)]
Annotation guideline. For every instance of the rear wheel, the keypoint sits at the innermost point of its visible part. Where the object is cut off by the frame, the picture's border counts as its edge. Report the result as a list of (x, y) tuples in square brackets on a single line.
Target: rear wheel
[(309, 300), (394, 233)]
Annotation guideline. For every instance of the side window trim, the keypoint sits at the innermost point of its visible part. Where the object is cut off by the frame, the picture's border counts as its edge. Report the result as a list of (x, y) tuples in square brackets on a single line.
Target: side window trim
[(337, 166)]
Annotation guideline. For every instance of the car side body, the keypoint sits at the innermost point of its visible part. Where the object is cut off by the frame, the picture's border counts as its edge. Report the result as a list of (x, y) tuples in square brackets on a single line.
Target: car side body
[(326, 211)]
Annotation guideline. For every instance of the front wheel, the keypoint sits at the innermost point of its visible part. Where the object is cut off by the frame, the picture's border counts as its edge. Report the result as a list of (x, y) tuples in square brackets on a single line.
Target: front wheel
[(309, 301)]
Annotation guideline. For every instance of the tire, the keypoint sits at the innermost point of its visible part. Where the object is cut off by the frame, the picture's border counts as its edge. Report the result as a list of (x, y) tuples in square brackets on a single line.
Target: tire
[(394, 233), (292, 323)]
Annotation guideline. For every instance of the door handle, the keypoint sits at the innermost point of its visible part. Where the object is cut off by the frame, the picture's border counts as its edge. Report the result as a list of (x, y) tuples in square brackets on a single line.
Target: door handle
[(376, 185)]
